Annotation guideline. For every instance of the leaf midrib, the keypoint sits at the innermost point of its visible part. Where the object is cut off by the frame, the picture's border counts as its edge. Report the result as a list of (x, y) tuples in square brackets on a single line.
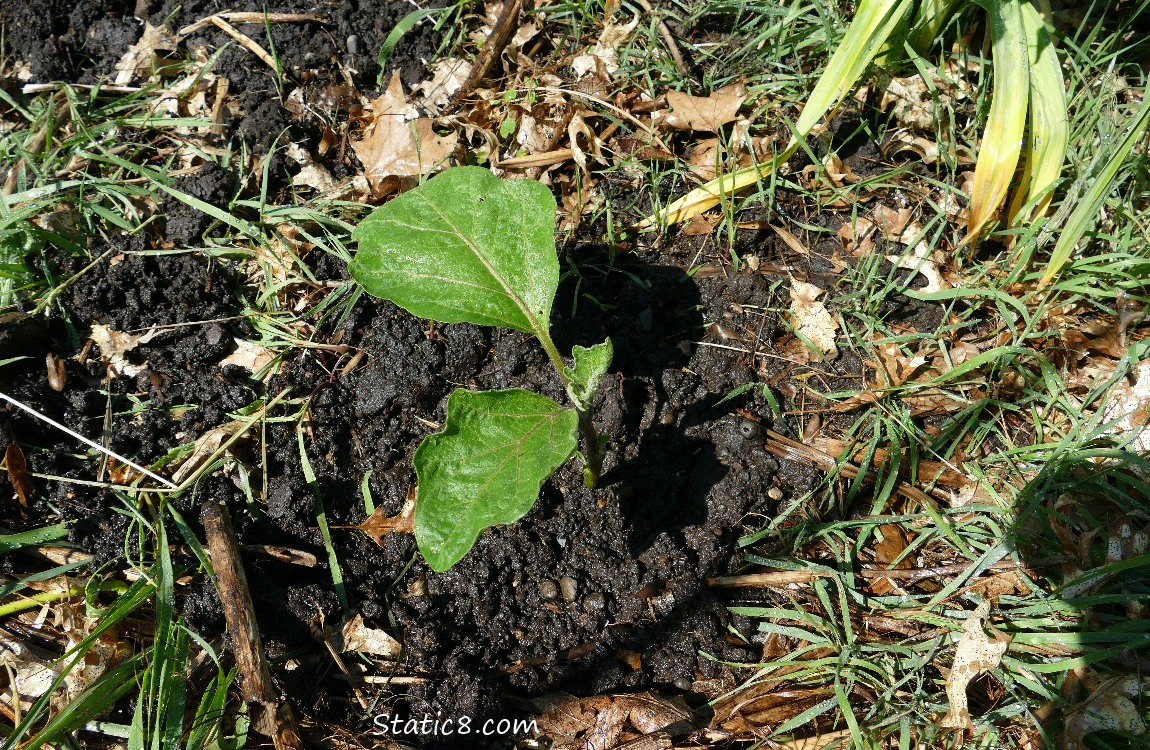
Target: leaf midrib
[(532, 320)]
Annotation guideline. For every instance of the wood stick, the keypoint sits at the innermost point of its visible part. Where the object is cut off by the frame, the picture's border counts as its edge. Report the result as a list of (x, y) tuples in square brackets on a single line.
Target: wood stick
[(270, 717), (501, 34)]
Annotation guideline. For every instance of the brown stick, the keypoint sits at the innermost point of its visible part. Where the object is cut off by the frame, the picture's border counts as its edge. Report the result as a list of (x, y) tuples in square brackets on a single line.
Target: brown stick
[(784, 447), (270, 717), (501, 34)]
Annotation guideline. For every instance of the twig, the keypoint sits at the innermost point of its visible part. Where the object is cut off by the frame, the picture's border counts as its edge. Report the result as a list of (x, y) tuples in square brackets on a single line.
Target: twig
[(86, 441), (270, 717), (667, 39), (247, 42), (242, 17), (489, 53)]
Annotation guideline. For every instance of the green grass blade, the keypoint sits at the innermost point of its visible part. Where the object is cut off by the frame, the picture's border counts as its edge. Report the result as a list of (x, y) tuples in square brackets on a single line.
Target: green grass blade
[(1049, 127), (1086, 212), (1002, 140), (875, 21)]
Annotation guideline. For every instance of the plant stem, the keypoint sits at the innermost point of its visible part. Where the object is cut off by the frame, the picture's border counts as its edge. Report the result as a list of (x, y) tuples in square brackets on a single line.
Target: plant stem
[(592, 445)]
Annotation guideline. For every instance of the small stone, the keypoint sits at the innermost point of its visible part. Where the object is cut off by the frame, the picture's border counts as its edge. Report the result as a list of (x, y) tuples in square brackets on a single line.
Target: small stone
[(668, 417), (775, 493), (353, 45), (682, 683), (594, 603), (569, 588), (549, 589)]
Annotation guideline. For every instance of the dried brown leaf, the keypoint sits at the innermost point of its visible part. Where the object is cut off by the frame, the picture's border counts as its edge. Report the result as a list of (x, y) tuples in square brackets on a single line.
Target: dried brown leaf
[(355, 635), (18, 475), (1110, 707), (205, 446), (249, 355), (399, 143), (705, 113), (604, 55), (145, 57), (379, 525), (811, 319), (976, 653)]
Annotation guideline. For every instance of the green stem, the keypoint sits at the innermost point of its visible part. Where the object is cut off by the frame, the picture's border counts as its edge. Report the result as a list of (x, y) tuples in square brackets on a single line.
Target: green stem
[(592, 446)]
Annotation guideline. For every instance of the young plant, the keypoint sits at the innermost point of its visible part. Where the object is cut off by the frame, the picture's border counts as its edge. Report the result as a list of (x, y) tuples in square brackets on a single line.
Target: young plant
[(467, 247)]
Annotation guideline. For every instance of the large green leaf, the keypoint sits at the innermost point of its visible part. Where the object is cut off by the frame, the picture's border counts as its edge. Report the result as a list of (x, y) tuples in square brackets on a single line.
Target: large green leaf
[(486, 467), (464, 247)]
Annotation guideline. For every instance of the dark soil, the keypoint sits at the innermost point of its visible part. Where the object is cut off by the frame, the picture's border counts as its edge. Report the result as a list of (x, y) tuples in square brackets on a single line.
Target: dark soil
[(685, 476)]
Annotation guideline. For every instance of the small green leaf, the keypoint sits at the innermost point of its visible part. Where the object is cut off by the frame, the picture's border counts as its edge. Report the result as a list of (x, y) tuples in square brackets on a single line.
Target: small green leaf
[(464, 247), (486, 467), (590, 367)]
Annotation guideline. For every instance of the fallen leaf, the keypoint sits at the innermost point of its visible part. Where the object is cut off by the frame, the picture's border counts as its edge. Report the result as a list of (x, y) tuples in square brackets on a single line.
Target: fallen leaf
[(205, 446), (1110, 707), (18, 474), (144, 57), (114, 345), (902, 141), (604, 55), (706, 113), (976, 653), (399, 143), (379, 525), (447, 77), (1126, 409), (599, 722), (355, 635), (700, 224), (249, 355), (811, 319), (910, 102)]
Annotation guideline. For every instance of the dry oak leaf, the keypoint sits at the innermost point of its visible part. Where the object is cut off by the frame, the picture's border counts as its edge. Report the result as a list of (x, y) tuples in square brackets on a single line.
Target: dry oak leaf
[(604, 54), (976, 653), (1110, 707), (378, 525), (355, 635), (811, 319), (600, 722), (145, 56), (707, 113), (399, 143)]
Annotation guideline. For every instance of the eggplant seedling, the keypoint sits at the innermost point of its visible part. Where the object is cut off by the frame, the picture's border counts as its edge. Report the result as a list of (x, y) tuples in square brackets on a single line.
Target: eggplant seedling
[(467, 247)]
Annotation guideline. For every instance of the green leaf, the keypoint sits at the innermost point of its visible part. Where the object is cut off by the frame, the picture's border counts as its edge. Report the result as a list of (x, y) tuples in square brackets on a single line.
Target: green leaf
[(464, 247), (590, 367), (486, 467)]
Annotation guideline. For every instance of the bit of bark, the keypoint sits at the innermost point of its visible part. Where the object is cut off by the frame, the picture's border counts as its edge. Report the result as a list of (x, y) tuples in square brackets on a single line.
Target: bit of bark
[(271, 717), (489, 53)]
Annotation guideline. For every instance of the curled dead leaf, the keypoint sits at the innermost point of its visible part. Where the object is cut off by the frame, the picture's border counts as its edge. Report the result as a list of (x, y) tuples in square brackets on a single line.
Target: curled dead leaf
[(706, 113), (1110, 707), (976, 653), (811, 319), (398, 143), (379, 524)]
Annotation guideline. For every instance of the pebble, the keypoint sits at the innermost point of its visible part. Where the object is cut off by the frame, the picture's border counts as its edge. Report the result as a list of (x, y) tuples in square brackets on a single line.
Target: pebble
[(569, 588), (549, 589), (594, 603), (682, 683), (353, 44)]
